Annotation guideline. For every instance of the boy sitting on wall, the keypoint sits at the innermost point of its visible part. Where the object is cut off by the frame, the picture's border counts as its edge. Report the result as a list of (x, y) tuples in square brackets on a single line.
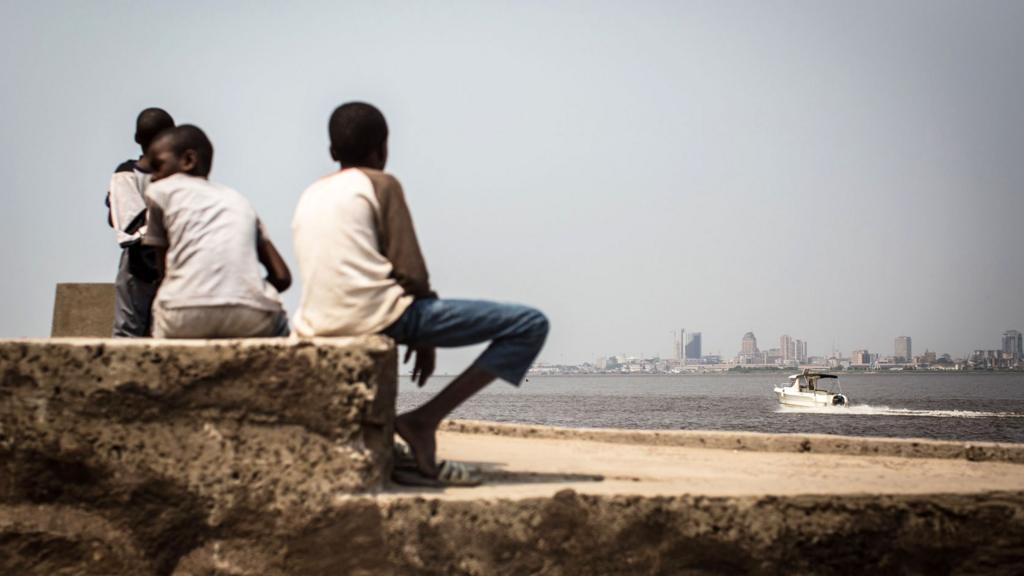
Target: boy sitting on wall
[(211, 245), (363, 273)]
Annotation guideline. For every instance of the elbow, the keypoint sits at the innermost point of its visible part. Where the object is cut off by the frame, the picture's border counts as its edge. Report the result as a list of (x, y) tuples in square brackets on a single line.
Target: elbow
[(281, 283)]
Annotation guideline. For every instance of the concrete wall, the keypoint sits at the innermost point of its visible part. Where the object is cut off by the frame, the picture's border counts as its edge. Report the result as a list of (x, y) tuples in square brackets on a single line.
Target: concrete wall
[(85, 310), (135, 452)]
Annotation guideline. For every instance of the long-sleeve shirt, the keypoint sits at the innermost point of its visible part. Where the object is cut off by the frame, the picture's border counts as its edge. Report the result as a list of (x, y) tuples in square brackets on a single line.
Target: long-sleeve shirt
[(359, 259)]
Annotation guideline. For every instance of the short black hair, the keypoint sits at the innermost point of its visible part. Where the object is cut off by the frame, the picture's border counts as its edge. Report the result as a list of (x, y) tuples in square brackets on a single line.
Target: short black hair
[(356, 129), (191, 137), (150, 123)]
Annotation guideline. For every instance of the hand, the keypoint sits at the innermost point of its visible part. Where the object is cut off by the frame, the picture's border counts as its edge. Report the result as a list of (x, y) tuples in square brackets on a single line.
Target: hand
[(426, 358)]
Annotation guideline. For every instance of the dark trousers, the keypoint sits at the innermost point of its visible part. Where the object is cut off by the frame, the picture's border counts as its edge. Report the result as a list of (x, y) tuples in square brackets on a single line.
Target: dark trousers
[(133, 302)]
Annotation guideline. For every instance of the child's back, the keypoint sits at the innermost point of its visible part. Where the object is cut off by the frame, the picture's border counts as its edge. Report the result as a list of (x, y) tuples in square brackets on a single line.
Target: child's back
[(212, 245), (360, 262), (210, 231)]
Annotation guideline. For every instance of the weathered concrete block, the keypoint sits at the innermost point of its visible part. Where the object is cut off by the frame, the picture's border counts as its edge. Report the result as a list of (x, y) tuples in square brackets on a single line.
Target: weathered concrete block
[(83, 310), (572, 534), (168, 443)]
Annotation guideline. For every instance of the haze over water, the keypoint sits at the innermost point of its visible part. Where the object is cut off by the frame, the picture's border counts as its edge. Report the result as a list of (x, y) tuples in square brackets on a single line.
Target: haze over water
[(970, 406)]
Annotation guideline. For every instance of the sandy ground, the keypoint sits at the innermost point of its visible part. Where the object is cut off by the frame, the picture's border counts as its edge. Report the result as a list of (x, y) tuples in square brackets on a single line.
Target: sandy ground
[(539, 467)]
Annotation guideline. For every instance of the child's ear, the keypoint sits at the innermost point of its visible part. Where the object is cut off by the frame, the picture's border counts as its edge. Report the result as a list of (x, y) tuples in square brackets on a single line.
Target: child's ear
[(189, 160)]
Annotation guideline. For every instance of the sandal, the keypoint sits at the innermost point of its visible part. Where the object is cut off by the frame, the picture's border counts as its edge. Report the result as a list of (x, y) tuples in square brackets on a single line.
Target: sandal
[(454, 473), (403, 457), (450, 474)]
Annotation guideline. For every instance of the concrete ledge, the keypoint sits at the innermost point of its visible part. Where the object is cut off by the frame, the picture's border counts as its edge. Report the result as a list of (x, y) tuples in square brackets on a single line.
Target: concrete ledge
[(756, 441), (170, 441), (83, 310), (571, 534)]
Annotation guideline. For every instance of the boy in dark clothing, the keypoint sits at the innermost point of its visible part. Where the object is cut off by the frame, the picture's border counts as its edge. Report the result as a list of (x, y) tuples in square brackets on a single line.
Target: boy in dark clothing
[(135, 284)]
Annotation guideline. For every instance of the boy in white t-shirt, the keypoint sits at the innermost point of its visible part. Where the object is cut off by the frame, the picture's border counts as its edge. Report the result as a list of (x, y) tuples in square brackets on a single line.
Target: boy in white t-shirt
[(212, 245)]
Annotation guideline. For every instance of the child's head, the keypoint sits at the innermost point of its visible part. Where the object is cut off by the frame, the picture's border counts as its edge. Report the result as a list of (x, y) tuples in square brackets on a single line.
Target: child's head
[(359, 136), (150, 123), (184, 149)]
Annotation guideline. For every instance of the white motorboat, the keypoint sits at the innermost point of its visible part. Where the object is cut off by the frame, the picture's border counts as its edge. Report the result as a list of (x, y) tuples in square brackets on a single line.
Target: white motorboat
[(805, 390)]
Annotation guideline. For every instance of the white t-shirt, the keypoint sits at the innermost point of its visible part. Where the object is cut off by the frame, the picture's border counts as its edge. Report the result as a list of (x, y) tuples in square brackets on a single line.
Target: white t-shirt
[(210, 232), (126, 202)]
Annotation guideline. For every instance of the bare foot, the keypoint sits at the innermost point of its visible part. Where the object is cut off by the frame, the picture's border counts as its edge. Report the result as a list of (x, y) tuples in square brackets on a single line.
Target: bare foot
[(420, 438)]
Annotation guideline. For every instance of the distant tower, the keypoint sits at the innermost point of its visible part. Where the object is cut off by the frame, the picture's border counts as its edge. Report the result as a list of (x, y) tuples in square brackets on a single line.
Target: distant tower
[(681, 345), (749, 345), (1013, 343), (787, 348), (692, 348), (801, 351), (904, 350)]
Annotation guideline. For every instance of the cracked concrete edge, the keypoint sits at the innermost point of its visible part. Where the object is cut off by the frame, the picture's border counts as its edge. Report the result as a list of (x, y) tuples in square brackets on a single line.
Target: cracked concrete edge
[(576, 534), (757, 441), (372, 343)]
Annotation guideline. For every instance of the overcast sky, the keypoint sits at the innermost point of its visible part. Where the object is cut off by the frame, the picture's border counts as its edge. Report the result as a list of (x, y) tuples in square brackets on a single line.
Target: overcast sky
[(838, 171)]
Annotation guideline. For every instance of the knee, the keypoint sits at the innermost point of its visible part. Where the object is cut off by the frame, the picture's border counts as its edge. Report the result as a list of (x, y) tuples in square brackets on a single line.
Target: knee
[(537, 324)]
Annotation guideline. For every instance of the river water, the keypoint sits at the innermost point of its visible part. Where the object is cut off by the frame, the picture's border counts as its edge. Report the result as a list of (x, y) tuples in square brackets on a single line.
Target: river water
[(962, 406)]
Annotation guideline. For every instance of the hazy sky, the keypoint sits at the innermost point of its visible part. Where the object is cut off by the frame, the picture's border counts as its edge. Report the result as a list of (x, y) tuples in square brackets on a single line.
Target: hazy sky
[(838, 171)]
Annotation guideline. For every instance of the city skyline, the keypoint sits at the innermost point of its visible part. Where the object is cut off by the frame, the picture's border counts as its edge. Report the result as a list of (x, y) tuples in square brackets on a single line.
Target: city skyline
[(1008, 341)]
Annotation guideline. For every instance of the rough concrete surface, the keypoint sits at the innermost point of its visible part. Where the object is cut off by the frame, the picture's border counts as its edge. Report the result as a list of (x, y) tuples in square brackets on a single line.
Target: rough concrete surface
[(168, 443), (266, 457), (574, 534), (83, 310)]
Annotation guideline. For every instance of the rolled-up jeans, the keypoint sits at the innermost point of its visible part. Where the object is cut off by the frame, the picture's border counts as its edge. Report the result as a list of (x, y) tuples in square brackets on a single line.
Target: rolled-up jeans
[(516, 333)]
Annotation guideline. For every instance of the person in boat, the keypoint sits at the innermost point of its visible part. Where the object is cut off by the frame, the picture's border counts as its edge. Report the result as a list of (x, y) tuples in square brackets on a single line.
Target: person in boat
[(363, 273)]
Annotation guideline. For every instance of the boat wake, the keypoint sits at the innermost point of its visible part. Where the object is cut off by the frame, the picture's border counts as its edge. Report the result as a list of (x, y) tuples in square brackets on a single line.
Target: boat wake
[(866, 410)]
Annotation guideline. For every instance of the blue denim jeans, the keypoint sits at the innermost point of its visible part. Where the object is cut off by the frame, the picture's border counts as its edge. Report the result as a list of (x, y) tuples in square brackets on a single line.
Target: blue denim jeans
[(516, 333)]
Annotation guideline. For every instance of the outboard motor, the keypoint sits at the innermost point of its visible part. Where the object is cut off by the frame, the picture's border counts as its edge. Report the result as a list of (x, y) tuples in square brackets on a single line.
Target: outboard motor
[(839, 400)]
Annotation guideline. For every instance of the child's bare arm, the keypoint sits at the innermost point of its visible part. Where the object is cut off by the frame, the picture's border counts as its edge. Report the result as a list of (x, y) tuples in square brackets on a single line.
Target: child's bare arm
[(277, 271)]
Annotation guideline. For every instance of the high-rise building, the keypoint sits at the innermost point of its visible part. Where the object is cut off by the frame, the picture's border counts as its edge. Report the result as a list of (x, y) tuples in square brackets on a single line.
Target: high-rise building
[(749, 345), (801, 351), (787, 348), (1013, 343), (681, 345), (692, 347), (860, 357), (904, 350)]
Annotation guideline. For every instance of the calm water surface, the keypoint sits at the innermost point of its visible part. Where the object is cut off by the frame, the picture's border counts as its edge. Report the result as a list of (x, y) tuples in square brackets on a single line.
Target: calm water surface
[(966, 406)]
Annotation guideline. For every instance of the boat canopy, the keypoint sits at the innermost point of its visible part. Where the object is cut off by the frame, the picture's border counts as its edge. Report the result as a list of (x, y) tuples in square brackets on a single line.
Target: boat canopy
[(812, 375)]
